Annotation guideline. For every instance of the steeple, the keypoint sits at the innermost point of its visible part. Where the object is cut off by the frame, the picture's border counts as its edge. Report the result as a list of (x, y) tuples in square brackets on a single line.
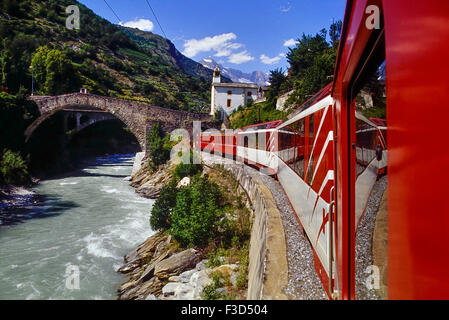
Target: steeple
[(216, 77)]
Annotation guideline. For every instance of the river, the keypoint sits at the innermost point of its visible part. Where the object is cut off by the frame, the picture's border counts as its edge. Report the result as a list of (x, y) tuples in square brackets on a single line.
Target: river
[(84, 221)]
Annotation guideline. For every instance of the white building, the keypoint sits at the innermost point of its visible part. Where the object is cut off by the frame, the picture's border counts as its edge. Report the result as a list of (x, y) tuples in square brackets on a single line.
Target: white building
[(229, 96)]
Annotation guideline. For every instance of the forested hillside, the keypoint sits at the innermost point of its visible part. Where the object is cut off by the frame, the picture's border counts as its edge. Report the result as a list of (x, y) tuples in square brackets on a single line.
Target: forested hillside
[(104, 58), (99, 56)]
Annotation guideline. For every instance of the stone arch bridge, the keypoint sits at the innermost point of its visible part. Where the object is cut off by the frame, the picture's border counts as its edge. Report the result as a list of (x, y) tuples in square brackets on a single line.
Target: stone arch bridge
[(137, 116)]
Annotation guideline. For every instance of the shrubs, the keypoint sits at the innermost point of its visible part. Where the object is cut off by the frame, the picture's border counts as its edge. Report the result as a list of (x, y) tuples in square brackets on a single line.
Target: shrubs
[(195, 216), (14, 169), (158, 152), (187, 169), (160, 214), (191, 214)]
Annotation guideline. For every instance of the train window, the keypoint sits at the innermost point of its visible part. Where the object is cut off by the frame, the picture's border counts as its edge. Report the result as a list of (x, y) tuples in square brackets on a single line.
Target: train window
[(291, 146), (369, 165)]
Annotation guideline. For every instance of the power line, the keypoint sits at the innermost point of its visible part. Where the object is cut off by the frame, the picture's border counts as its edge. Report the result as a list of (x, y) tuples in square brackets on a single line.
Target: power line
[(157, 20), (119, 20)]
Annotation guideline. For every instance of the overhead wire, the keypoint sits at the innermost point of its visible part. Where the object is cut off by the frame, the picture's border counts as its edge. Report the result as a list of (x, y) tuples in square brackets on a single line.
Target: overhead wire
[(157, 20), (119, 20)]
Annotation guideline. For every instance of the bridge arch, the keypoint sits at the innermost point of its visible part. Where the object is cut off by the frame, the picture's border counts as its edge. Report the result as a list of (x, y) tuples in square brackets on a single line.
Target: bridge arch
[(137, 116), (132, 116)]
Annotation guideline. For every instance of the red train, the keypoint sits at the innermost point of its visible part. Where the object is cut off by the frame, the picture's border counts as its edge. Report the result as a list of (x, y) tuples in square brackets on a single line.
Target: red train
[(374, 209)]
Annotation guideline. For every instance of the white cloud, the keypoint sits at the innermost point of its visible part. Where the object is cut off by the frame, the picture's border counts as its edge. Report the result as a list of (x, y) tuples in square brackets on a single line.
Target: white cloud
[(142, 24), (222, 44), (226, 49), (285, 9), (239, 58), (267, 60), (290, 42)]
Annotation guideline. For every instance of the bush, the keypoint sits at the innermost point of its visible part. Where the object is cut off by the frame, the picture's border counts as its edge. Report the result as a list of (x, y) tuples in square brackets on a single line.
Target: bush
[(187, 169), (14, 169), (158, 153), (160, 214), (16, 114), (195, 216)]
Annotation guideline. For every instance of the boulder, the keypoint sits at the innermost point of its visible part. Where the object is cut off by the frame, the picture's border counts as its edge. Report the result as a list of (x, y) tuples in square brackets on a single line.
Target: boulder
[(199, 280), (137, 165), (153, 286), (146, 248), (201, 265), (126, 287), (176, 264), (130, 266), (174, 279), (183, 182), (148, 273), (149, 270), (179, 291), (149, 184), (128, 294), (186, 275)]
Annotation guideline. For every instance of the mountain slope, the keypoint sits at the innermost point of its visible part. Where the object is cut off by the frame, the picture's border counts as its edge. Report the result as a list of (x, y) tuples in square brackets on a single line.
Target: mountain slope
[(104, 58), (167, 50), (235, 75)]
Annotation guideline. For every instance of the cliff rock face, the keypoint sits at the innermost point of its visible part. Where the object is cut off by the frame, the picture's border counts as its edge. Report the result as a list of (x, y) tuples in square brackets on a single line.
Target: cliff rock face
[(148, 184)]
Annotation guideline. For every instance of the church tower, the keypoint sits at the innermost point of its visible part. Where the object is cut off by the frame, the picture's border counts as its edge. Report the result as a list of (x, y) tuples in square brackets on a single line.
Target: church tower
[(217, 75)]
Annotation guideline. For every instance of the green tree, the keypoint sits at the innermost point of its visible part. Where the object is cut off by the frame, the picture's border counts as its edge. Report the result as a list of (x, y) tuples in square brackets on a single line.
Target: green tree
[(335, 32), (277, 78), (54, 71), (312, 63), (158, 153), (160, 213), (16, 114), (14, 169), (195, 217)]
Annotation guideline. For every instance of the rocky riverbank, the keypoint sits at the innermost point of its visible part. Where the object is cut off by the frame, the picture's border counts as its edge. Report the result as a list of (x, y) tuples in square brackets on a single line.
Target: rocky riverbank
[(159, 269), (149, 183), (12, 200)]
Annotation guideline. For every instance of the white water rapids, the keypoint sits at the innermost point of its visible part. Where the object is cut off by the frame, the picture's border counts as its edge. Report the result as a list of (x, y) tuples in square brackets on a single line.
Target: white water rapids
[(86, 220)]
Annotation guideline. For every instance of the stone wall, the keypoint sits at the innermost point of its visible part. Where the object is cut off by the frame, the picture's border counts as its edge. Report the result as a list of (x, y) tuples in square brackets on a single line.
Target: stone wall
[(280, 102)]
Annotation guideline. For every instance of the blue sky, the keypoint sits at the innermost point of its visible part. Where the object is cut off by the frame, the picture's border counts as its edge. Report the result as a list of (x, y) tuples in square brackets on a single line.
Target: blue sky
[(246, 34)]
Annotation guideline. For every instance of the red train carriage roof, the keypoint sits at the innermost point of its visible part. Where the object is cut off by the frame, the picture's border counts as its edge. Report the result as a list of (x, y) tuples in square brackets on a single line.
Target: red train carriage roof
[(264, 125)]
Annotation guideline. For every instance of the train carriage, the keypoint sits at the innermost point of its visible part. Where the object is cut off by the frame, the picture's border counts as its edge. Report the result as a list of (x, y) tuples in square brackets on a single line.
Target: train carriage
[(399, 47), (371, 207)]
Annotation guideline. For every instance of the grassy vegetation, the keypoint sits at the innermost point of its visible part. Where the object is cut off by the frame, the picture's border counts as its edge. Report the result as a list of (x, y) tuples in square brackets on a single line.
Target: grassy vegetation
[(210, 215)]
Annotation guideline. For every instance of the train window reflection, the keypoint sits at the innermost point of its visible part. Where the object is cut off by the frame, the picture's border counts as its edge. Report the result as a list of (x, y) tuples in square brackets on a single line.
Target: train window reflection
[(291, 146), (371, 212)]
